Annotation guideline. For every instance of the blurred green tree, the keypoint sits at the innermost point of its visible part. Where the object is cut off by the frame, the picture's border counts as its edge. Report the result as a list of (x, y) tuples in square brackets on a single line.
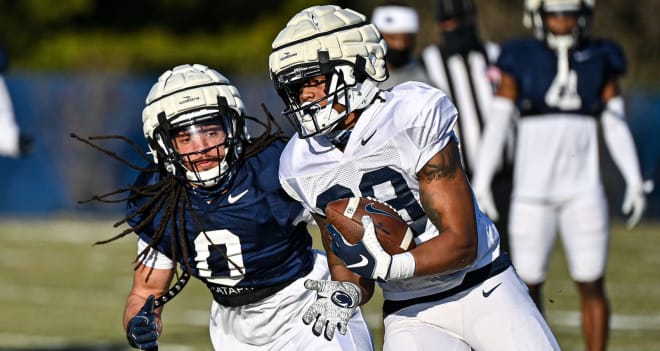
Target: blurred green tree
[(147, 35)]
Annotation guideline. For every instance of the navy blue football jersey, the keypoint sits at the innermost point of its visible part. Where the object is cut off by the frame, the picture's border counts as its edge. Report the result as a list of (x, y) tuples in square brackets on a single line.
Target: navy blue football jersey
[(253, 224), (533, 65)]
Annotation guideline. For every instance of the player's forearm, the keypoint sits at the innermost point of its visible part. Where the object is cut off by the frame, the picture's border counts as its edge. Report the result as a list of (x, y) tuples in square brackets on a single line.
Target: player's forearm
[(340, 273), (446, 197), (338, 270), (492, 143), (449, 252), (133, 305), (620, 142), (146, 282)]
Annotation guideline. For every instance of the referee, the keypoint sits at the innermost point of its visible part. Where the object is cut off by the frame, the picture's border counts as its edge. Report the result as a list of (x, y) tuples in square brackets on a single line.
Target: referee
[(463, 66)]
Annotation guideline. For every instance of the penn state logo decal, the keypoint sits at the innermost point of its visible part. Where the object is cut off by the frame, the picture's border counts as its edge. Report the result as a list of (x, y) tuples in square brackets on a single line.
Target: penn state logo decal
[(342, 299)]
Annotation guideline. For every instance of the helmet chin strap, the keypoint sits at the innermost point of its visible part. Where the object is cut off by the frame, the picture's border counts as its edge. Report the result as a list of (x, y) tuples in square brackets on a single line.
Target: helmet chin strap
[(322, 118), (208, 178)]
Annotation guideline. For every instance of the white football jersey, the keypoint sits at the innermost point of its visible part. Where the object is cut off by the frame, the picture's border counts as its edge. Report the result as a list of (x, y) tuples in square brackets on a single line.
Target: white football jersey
[(392, 141)]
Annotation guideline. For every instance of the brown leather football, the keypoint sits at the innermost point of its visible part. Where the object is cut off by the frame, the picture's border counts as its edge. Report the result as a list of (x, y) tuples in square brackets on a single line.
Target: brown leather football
[(392, 231)]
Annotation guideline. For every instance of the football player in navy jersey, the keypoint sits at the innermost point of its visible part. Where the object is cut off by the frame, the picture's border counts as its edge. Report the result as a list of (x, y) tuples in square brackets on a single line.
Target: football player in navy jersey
[(214, 206), (563, 85), (454, 290)]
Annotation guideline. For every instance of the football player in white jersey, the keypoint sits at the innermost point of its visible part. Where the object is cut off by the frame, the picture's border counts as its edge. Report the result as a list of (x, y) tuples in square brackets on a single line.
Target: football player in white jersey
[(454, 291), (13, 143), (562, 85), (212, 203)]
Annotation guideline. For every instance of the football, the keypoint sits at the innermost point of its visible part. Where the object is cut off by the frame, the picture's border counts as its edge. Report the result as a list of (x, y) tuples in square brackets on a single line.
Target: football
[(392, 231)]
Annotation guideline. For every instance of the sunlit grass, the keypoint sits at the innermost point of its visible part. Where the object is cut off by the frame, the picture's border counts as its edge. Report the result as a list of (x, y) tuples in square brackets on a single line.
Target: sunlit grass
[(57, 290)]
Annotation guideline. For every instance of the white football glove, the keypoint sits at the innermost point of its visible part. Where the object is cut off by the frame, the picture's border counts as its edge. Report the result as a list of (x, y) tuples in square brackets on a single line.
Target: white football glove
[(334, 306), (487, 203), (634, 202)]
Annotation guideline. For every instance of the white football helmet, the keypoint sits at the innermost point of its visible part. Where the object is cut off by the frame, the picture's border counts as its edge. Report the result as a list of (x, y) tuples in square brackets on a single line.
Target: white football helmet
[(186, 97), (535, 10), (331, 41)]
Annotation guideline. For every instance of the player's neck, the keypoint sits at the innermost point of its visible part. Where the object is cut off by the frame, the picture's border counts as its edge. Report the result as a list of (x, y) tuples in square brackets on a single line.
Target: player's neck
[(347, 124)]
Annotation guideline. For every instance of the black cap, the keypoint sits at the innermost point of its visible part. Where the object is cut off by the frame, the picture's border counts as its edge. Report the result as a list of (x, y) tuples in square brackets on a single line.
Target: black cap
[(4, 60), (448, 9)]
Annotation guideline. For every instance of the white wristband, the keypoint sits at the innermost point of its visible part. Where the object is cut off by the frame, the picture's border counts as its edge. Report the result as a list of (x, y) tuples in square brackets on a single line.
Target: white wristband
[(402, 266)]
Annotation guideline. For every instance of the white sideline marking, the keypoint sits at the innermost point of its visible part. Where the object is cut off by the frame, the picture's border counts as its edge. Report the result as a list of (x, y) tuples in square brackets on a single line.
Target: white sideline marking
[(20, 340), (201, 318), (556, 318), (617, 321)]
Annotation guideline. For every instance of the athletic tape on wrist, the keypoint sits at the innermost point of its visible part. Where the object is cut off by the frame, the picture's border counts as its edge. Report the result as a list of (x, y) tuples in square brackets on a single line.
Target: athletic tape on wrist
[(402, 266)]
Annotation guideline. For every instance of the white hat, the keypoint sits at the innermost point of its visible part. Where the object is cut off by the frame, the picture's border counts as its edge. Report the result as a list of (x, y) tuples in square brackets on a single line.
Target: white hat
[(395, 19)]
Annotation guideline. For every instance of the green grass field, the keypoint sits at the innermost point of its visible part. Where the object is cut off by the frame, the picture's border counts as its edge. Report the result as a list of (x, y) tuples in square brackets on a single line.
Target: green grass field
[(58, 292)]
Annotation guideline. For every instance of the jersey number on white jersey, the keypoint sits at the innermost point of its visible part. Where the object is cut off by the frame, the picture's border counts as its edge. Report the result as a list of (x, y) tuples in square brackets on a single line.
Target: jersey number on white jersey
[(385, 184)]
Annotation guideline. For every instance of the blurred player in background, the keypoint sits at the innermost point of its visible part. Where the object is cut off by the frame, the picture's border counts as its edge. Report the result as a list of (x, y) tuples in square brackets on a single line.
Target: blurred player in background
[(399, 24), (454, 291), (563, 85), (12, 142), (214, 206), (463, 66)]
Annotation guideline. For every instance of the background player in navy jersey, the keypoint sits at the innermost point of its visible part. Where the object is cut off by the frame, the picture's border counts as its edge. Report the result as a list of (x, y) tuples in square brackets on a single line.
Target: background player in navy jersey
[(563, 85), (454, 291), (214, 206)]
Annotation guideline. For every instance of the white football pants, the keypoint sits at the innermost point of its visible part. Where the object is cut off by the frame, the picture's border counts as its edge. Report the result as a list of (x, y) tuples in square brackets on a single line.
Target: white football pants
[(497, 314), (584, 228), (275, 323)]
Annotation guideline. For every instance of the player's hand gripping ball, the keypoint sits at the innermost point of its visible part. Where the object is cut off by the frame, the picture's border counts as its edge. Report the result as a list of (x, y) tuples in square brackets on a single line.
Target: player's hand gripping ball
[(392, 232)]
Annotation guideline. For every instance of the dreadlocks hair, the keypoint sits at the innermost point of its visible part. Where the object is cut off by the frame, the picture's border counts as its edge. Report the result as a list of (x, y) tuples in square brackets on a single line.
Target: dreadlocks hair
[(169, 195)]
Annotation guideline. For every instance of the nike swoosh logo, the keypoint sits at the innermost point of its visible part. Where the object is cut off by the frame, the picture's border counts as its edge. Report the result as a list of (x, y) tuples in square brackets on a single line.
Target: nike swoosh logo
[(369, 208), (487, 293), (233, 199), (581, 56), (366, 140), (363, 262)]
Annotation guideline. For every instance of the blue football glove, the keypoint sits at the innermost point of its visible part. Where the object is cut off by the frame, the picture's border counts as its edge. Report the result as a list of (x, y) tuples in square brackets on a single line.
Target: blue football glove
[(366, 258), (334, 306), (142, 331)]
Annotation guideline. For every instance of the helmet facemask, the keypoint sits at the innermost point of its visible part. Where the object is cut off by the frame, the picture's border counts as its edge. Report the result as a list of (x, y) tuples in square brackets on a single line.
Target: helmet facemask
[(345, 85), (202, 147), (320, 116), (189, 100)]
